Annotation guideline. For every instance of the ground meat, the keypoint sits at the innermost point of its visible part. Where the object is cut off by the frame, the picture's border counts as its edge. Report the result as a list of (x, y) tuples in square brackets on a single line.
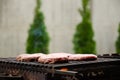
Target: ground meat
[(80, 57), (29, 57), (63, 57), (54, 57)]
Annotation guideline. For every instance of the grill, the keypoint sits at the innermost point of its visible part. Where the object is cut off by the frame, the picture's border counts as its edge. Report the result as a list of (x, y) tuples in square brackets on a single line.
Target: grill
[(106, 67)]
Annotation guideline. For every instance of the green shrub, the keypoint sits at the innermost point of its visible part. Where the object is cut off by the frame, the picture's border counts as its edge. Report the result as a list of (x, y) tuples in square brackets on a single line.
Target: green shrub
[(118, 41), (38, 38), (83, 37)]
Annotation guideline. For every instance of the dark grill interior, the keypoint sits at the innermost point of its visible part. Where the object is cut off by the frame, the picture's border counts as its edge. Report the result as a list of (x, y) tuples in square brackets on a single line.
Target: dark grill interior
[(104, 68)]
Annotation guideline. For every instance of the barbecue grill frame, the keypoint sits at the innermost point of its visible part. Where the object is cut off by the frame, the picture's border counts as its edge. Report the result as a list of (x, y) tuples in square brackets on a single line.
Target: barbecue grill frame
[(82, 67)]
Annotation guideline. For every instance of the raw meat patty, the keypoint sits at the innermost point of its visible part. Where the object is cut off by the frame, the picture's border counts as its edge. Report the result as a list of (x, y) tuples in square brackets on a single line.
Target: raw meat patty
[(29, 57), (54, 57), (81, 57)]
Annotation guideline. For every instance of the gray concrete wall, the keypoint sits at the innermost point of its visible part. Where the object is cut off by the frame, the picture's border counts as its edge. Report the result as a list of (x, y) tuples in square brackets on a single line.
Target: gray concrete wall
[(106, 17), (15, 17)]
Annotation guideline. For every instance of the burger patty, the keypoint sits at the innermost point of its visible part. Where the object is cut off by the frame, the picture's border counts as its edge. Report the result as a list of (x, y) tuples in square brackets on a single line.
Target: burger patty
[(55, 57), (29, 57)]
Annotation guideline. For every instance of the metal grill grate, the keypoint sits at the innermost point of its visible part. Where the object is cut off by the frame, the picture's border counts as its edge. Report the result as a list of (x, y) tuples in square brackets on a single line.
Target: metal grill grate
[(102, 68)]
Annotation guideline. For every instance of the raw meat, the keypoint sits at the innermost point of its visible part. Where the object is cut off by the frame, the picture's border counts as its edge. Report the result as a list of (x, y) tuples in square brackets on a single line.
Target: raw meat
[(54, 57), (80, 57), (29, 57)]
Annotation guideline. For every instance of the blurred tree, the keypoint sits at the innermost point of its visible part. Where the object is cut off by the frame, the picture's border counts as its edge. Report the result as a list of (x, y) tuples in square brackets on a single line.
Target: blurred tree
[(83, 37), (118, 41), (38, 38)]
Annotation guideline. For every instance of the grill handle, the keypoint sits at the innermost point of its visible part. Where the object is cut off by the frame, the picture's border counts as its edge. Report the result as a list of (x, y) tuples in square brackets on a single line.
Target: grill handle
[(71, 73)]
